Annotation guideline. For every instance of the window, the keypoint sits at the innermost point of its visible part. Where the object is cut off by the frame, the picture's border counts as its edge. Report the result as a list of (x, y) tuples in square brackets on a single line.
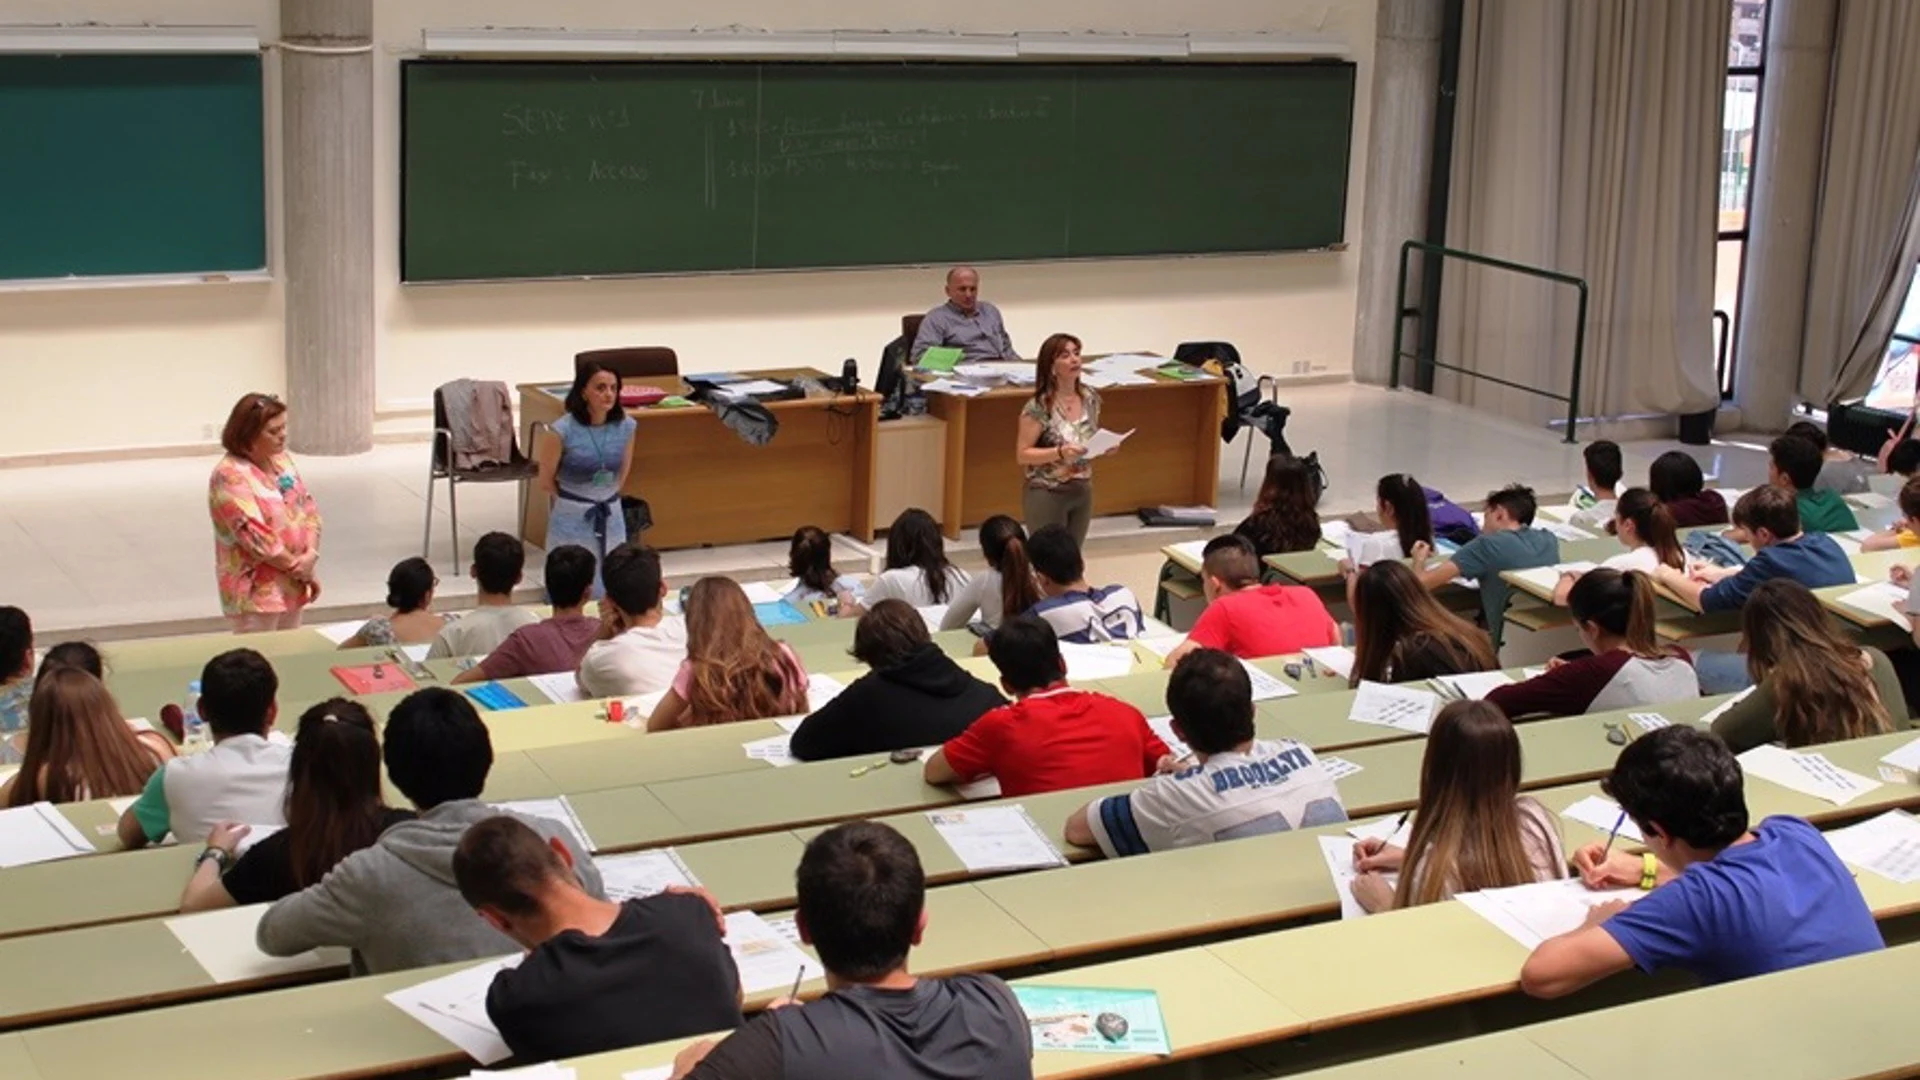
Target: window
[(1894, 385), (1739, 121)]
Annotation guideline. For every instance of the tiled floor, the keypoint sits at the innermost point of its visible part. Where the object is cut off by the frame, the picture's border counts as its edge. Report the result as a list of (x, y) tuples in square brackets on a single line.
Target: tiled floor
[(105, 548)]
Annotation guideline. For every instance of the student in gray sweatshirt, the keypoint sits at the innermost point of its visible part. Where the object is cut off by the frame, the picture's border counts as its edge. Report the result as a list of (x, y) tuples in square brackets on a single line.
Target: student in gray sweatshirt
[(396, 904)]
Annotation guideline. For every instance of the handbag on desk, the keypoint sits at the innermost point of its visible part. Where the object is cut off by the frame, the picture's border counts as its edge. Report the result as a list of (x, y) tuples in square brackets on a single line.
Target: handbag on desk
[(638, 516)]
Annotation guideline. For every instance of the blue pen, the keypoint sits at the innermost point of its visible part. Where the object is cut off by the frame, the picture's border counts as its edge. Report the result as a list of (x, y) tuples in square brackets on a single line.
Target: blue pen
[(1617, 822)]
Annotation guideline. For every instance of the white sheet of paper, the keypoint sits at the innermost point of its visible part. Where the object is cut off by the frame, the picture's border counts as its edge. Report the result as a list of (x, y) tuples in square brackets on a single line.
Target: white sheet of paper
[(664, 1072), (1105, 442), (338, 632), (1475, 686), (1335, 531), (1163, 727), (952, 386), (1267, 687), (1601, 813), (1340, 768), (789, 724), (933, 615), (1906, 757), (756, 386), (39, 833), (559, 811), (1100, 380), (1720, 710), (1884, 599), (560, 687), (222, 943), (1807, 772), (1126, 362), (995, 838), (1086, 662), (1530, 914), (1194, 550), (643, 873), (1649, 721), (1888, 845), (1395, 829), (1400, 707), (773, 750), (767, 960), (455, 1007), (1338, 853), (762, 592), (416, 653), (1335, 658), (1870, 500), (1567, 533), (820, 690), (1160, 645)]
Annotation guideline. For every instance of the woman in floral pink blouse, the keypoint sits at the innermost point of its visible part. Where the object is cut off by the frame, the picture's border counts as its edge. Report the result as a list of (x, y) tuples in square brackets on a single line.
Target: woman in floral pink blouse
[(266, 526)]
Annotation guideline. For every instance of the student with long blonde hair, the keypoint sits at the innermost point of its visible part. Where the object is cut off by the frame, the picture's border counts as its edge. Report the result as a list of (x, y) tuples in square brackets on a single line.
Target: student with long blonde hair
[(733, 670), (1626, 665), (1812, 683), (1473, 829), (1402, 633), (79, 747)]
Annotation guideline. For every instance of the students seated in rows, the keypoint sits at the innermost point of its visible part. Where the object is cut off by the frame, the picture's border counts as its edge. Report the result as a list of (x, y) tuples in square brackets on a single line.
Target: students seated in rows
[(733, 670), (1725, 902), (1841, 472), (410, 587), (862, 906), (598, 975), (1051, 737), (914, 694), (242, 778), (1283, 518), (1793, 463), (1248, 619), (499, 561), (1593, 500), (79, 656), (1627, 665), (1812, 683), (1405, 519), (1234, 786), (1472, 828), (16, 675), (1077, 611), (639, 647), (1769, 519), (1507, 541), (1646, 530), (1905, 533), (1401, 633), (917, 569), (79, 747), (810, 561), (556, 643), (395, 903), (1006, 585), (1676, 480)]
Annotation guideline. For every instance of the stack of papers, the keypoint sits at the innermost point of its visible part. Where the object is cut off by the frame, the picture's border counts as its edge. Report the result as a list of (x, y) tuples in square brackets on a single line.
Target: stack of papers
[(560, 687), (455, 1007), (1094, 1021), (1530, 914), (996, 371), (1603, 814), (766, 959), (1471, 687), (1086, 662), (995, 838), (1338, 853), (1163, 727), (643, 873), (1100, 380), (1125, 362), (1335, 658), (1887, 600), (1339, 768), (952, 386), (1806, 772), (39, 833), (1267, 687), (558, 811), (755, 386), (222, 943), (773, 750), (1393, 706), (1888, 845)]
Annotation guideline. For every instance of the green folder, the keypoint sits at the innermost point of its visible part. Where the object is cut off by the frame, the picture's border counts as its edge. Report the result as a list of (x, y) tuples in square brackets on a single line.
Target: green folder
[(940, 358), (1179, 371), (673, 401)]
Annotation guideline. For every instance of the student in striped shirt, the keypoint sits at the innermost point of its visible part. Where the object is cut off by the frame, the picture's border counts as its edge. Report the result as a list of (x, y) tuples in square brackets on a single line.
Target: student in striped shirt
[(1079, 613)]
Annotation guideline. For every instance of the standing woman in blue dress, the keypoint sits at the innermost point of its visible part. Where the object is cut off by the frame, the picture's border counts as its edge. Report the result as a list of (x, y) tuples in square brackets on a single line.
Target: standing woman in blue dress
[(584, 469)]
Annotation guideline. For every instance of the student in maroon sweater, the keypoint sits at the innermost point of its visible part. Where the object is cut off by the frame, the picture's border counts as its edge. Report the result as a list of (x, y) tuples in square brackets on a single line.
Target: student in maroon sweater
[(1613, 610)]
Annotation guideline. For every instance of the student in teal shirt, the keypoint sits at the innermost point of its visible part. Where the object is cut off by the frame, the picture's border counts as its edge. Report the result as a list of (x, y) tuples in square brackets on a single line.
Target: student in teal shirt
[(1507, 541), (1794, 464)]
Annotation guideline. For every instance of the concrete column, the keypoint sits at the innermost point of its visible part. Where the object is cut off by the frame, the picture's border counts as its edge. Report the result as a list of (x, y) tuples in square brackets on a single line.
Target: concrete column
[(1789, 152), (1406, 64), (326, 91)]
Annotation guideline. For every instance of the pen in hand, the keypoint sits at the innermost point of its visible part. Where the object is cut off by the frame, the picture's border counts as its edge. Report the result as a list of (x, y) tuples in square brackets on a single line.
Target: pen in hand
[(1617, 822)]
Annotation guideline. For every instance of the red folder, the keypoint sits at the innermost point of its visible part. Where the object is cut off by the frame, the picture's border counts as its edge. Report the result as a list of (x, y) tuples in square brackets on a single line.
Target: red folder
[(373, 678)]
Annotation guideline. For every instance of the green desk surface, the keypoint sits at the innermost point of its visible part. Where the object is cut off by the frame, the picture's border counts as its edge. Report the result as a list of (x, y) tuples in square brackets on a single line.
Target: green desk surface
[(82, 971), (192, 651), (15, 1062), (78, 892), (1506, 1055)]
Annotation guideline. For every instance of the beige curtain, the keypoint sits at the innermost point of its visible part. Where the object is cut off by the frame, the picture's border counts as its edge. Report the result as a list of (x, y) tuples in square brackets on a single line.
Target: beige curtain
[(1867, 231), (1587, 142)]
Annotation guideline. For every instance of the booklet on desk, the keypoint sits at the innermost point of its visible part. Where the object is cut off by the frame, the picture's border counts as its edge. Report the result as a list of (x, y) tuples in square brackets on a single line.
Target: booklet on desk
[(940, 359)]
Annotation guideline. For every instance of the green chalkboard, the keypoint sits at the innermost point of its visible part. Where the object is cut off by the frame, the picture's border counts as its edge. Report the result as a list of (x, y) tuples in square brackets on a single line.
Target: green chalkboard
[(526, 170), (134, 164)]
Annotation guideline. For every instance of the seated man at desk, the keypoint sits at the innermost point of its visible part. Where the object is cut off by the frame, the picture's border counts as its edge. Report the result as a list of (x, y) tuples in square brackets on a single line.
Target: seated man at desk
[(965, 322)]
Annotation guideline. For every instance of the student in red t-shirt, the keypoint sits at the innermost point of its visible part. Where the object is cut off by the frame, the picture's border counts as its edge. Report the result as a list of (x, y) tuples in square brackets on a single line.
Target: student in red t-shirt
[(1052, 737), (1248, 619)]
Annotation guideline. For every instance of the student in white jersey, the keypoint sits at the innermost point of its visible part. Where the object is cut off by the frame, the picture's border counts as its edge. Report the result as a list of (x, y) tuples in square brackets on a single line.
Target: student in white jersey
[(1233, 786), (499, 561), (1079, 613)]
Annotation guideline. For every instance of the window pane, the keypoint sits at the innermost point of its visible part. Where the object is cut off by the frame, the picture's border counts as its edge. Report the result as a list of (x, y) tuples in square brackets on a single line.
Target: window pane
[(1908, 324), (1893, 384), (1726, 297), (1748, 39), (1736, 149)]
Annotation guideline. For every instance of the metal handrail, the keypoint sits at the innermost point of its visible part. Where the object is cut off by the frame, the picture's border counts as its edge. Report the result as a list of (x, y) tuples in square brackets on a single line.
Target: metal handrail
[(1725, 323), (1571, 397)]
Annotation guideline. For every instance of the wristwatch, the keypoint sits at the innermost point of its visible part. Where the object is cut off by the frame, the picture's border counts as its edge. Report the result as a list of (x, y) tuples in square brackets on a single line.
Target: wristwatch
[(214, 855)]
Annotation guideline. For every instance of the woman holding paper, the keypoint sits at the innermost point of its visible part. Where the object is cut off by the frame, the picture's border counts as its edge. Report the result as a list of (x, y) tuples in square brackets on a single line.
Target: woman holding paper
[(1812, 684), (1055, 440)]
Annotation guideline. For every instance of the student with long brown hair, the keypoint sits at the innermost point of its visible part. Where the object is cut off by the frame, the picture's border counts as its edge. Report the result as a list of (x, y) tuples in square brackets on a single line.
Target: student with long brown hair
[(1283, 517), (1812, 684), (1646, 530), (334, 808), (1472, 829), (1005, 587), (733, 670), (78, 745), (1626, 664), (1051, 440), (1402, 633)]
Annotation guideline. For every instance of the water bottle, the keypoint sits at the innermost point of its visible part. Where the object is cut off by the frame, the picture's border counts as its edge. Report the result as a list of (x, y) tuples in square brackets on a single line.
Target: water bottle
[(194, 727)]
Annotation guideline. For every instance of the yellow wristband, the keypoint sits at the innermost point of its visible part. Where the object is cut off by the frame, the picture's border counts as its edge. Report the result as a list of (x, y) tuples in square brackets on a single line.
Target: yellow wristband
[(1649, 871)]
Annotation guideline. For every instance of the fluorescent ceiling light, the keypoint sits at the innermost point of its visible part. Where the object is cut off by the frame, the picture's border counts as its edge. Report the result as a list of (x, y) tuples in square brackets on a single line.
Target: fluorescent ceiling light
[(1117, 45), (692, 43), (109, 39), (908, 46), (1271, 45)]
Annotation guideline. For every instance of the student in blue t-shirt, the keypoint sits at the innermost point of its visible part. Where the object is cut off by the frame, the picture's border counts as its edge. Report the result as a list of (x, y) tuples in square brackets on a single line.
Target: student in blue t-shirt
[(1769, 519), (1507, 541), (1725, 901)]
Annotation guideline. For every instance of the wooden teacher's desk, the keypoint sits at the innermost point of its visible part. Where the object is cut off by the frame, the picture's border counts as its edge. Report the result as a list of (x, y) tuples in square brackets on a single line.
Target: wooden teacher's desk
[(706, 485)]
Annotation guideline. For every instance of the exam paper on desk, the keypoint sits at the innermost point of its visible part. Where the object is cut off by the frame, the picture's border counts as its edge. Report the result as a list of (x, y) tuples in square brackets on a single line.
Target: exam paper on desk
[(455, 1008), (222, 943)]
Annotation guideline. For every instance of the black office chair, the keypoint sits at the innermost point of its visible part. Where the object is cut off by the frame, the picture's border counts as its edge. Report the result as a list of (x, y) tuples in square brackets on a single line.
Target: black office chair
[(1240, 407), (519, 468)]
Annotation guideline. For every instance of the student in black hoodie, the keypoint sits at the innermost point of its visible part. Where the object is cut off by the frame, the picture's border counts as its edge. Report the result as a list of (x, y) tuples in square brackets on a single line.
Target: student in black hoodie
[(914, 696)]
